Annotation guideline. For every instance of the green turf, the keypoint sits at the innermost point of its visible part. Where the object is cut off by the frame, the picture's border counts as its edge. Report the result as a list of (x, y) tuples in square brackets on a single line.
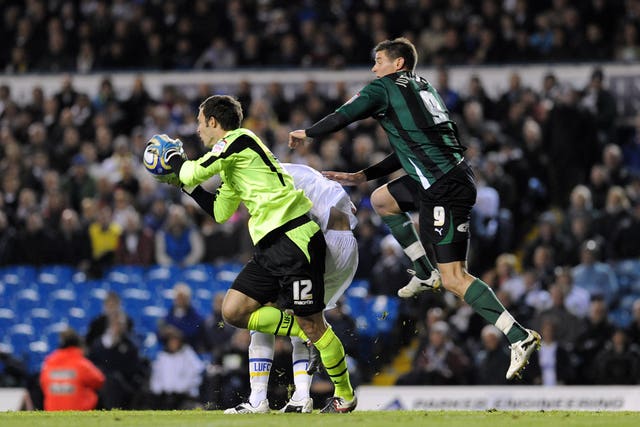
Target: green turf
[(364, 419)]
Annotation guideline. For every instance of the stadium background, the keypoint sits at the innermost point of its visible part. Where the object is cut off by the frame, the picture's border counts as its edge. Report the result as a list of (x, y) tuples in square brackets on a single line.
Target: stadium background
[(552, 138)]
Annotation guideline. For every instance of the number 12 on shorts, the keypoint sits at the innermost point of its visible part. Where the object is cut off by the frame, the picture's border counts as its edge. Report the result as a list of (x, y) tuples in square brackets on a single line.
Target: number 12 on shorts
[(302, 290)]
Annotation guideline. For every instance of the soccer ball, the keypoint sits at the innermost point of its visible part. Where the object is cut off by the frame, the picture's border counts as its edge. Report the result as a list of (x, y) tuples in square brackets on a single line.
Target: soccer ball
[(153, 159)]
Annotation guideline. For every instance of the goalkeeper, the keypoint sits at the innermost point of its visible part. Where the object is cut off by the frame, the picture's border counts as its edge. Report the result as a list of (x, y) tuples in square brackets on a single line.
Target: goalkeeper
[(288, 262), (333, 211)]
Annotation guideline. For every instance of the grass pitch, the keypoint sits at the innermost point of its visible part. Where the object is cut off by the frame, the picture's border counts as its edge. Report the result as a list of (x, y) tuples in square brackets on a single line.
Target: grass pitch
[(196, 418)]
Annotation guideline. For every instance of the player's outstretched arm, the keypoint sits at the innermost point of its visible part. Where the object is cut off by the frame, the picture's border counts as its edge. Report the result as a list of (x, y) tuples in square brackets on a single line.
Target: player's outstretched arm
[(346, 178)]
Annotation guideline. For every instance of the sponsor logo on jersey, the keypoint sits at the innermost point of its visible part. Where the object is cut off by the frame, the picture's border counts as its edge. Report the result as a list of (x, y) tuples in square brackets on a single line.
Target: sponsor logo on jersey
[(464, 227), (219, 147), (438, 230)]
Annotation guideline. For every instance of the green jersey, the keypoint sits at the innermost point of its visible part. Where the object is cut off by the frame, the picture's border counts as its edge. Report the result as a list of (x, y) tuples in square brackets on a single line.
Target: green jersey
[(250, 174), (416, 121)]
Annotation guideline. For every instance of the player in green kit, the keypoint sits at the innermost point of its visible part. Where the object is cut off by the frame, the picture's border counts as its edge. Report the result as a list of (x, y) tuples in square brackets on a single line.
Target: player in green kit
[(289, 257), (439, 184)]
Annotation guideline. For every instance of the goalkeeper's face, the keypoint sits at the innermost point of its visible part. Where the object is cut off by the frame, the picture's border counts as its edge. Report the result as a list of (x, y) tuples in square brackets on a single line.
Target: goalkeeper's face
[(207, 130)]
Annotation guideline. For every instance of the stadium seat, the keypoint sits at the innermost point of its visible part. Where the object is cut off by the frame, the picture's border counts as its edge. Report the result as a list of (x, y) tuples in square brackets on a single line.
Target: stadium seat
[(620, 318), (150, 317), (18, 274), (7, 319), (199, 273), (61, 301), (134, 300), (40, 319), (78, 320), (383, 311), (20, 336), (25, 300), (95, 301), (59, 275), (52, 333), (38, 351)]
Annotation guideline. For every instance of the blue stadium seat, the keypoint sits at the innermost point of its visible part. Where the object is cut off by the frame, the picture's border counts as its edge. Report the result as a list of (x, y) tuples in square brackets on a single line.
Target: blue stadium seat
[(134, 300), (59, 275), (199, 273), (7, 319), (383, 311), (52, 333), (620, 318), (150, 346), (628, 274), (78, 320), (18, 274), (40, 319), (25, 300), (20, 336), (61, 301), (150, 317), (38, 351), (95, 301)]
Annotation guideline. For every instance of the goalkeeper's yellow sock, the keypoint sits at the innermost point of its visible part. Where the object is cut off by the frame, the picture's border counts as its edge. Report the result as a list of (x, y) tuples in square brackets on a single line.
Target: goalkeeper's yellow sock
[(272, 321), (335, 363)]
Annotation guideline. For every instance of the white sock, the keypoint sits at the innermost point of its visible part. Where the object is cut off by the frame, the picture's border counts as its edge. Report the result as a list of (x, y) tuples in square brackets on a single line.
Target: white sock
[(260, 360), (300, 357)]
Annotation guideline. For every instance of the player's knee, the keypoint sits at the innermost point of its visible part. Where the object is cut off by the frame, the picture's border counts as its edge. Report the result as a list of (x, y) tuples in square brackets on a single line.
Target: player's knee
[(382, 202), (234, 316)]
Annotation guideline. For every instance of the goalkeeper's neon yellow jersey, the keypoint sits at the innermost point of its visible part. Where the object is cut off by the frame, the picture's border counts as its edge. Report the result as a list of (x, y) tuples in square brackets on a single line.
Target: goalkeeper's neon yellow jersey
[(250, 174)]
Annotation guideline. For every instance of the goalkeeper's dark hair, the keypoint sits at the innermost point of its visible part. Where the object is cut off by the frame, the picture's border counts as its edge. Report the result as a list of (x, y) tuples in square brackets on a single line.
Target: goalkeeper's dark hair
[(399, 48), (225, 109)]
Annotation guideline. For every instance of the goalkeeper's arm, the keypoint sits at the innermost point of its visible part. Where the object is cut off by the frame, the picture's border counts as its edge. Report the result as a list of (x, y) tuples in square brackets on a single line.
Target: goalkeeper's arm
[(202, 197)]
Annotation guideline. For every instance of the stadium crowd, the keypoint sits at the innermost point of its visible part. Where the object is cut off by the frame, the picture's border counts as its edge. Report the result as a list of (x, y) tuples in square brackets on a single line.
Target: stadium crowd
[(555, 229), (89, 35)]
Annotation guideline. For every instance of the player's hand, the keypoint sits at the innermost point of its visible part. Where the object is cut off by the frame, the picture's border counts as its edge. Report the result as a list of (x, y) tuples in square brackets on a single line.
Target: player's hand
[(345, 178), (296, 138)]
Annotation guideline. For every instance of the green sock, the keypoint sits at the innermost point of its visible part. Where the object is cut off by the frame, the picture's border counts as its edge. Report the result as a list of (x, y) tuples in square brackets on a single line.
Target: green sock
[(272, 321), (484, 302), (335, 363), (402, 229)]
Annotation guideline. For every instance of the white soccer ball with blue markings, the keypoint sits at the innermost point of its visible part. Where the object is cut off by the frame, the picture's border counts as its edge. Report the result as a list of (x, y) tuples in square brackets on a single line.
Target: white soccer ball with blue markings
[(153, 158)]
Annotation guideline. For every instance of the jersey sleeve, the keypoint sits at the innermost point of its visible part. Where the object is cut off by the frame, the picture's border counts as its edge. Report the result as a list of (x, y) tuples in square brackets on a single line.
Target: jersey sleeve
[(194, 172), (371, 100), (226, 203)]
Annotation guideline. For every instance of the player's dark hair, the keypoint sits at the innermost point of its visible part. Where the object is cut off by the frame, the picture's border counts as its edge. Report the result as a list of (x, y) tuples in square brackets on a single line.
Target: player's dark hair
[(400, 48), (225, 109)]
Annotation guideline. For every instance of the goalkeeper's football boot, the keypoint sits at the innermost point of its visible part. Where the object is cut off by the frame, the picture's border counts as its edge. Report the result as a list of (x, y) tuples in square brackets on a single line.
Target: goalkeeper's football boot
[(304, 406), (339, 405), (417, 285), (521, 351), (247, 408)]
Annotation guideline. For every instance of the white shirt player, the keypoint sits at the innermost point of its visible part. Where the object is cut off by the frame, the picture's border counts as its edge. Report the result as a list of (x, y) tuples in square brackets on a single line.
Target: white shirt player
[(323, 193), (342, 247)]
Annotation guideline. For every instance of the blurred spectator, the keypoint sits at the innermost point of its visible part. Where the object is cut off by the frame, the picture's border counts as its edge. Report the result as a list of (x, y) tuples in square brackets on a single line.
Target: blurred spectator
[(178, 242), (184, 316), (491, 359), (438, 361), (136, 245), (69, 381), (115, 354), (35, 244), (552, 365), (105, 235), (391, 269), (176, 373), (595, 276), (597, 331), (568, 326), (111, 308), (13, 372), (634, 328), (73, 244), (7, 241), (602, 104), (618, 362)]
